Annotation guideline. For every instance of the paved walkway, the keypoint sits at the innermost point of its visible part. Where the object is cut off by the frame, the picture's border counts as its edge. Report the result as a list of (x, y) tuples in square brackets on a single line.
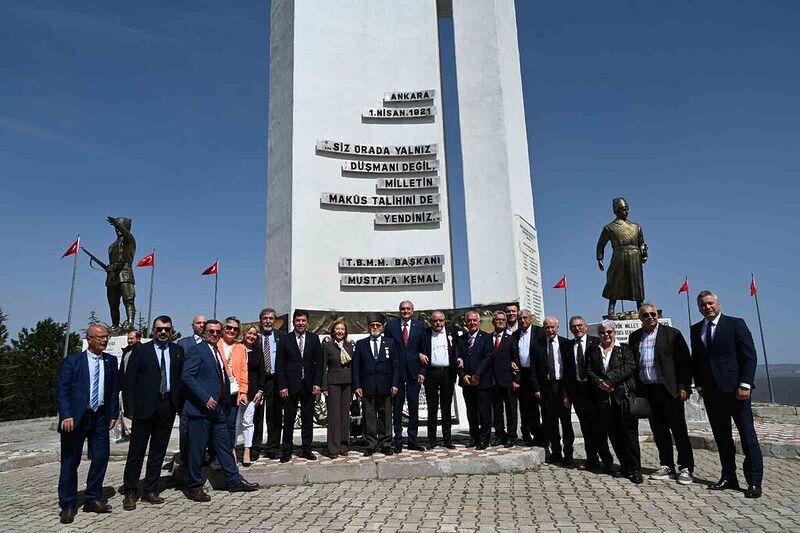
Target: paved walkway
[(547, 499)]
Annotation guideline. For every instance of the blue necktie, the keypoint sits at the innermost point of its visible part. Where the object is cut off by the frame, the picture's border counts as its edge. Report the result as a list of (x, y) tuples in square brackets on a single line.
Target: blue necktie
[(94, 402)]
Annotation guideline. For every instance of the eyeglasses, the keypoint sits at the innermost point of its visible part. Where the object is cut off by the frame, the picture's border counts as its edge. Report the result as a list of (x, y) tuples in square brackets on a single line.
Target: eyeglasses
[(231, 328), (165, 329), (648, 315), (609, 332), (99, 336), (213, 331)]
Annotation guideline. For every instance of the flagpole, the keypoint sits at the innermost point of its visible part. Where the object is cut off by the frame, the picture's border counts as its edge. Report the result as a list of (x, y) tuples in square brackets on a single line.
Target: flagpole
[(150, 303), (763, 345), (566, 307), (216, 281), (71, 294), (688, 305)]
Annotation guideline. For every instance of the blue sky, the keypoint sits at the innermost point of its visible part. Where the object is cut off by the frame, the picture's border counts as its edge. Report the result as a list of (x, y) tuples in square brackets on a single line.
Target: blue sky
[(689, 109)]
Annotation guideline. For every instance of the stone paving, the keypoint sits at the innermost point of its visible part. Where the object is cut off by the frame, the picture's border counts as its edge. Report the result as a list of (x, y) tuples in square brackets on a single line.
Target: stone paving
[(549, 498)]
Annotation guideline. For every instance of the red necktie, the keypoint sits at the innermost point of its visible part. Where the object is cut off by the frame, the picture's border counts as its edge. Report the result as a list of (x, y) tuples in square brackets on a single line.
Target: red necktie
[(405, 334), (496, 341)]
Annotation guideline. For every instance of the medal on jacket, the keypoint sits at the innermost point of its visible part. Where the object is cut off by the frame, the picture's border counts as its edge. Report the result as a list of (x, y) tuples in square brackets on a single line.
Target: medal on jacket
[(450, 340), (386, 351)]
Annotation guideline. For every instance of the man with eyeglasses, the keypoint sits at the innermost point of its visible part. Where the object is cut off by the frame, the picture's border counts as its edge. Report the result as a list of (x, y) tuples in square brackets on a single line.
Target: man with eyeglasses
[(197, 336), (207, 384), (665, 376), (88, 407), (153, 394), (439, 371)]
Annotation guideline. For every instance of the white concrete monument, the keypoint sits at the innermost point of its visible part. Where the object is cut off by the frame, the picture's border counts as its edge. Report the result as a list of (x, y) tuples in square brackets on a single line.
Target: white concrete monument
[(357, 191)]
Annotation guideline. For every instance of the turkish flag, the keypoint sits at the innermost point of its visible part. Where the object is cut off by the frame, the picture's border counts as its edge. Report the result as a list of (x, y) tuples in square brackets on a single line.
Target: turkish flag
[(213, 270), (147, 261), (72, 250), (684, 287), (562, 283), (753, 288)]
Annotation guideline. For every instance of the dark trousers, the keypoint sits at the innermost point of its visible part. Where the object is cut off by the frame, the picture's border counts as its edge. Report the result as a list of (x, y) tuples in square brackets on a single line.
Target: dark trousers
[(586, 409), (668, 422), (530, 424), (211, 429), (231, 418), (624, 434), (479, 413), (503, 398), (305, 398), (409, 388), (377, 421), (339, 398), (721, 408), (553, 413), (92, 427), (270, 413), (183, 438), (156, 429), (439, 387)]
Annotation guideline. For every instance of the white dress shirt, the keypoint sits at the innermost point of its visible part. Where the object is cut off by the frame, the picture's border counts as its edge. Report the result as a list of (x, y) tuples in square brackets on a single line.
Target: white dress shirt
[(439, 354), (525, 348), (579, 342), (556, 358)]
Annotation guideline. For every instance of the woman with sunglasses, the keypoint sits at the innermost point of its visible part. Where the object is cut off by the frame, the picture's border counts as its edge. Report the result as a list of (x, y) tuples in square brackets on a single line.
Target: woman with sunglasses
[(234, 354), (612, 369)]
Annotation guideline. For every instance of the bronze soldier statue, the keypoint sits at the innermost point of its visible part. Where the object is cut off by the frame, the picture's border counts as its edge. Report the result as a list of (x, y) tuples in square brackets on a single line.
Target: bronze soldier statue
[(120, 284), (625, 277)]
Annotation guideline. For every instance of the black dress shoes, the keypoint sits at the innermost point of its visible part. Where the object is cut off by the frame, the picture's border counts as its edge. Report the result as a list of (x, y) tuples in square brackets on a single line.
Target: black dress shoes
[(725, 484), (752, 492), (198, 495), (567, 462), (308, 456), (367, 453), (271, 455), (416, 447), (470, 443), (449, 445), (67, 515), (636, 477), (387, 451), (286, 458), (398, 448), (482, 446), (96, 507), (152, 497), (431, 445), (621, 472), (554, 458), (129, 502), (244, 486)]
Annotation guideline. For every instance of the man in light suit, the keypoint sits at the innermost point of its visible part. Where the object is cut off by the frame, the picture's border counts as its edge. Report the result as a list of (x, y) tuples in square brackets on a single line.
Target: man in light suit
[(407, 334), (153, 394), (206, 406), (88, 407), (724, 367), (665, 377), (477, 379), (439, 372), (376, 373), (299, 379)]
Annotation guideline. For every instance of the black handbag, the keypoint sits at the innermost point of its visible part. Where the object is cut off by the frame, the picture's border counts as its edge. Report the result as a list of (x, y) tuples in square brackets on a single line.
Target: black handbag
[(635, 406)]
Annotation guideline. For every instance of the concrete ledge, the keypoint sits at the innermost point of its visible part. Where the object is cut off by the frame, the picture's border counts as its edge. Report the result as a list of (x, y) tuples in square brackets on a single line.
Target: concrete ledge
[(23, 459)]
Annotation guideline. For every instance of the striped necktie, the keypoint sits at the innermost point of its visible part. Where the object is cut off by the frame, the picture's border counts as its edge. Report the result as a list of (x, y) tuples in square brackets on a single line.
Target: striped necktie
[(94, 402)]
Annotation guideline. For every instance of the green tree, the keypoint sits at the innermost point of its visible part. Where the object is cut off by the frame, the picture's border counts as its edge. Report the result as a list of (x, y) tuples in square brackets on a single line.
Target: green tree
[(3, 331)]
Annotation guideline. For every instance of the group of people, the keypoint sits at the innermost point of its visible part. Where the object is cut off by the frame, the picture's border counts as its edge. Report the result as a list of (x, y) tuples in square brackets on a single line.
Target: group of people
[(226, 382)]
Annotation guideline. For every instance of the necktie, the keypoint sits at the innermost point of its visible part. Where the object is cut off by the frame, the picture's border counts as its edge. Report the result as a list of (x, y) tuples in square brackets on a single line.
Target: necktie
[(709, 326), (94, 403), (551, 361), (163, 388), (581, 362), (267, 355), (472, 341), (496, 341), (218, 366), (405, 334), (301, 346), (375, 348)]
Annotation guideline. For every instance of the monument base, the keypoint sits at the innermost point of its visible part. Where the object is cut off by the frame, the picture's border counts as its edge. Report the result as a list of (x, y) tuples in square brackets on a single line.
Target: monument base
[(625, 328)]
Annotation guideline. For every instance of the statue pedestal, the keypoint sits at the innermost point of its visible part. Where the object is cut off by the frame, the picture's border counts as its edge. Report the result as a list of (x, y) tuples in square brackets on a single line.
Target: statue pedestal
[(625, 328)]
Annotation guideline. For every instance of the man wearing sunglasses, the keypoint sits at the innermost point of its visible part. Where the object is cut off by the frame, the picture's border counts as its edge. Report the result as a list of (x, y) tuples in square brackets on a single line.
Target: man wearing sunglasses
[(152, 395), (665, 376), (207, 384)]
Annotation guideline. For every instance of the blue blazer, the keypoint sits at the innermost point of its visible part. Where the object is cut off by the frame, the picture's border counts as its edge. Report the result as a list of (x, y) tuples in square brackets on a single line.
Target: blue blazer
[(376, 377), (201, 380), (409, 356), (73, 388), (731, 359), (478, 360), (186, 343)]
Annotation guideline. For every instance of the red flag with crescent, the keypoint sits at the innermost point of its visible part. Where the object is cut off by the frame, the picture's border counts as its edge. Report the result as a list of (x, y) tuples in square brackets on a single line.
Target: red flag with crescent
[(213, 270)]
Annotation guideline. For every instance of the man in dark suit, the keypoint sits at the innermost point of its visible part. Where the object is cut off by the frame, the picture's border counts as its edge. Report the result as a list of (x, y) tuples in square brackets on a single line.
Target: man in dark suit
[(270, 408), (207, 390), (376, 375), (153, 394), (555, 368), (439, 372), (88, 407), (505, 367), (299, 379), (724, 366), (197, 336), (121, 431), (527, 337), (665, 377), (407, 334), (583, 399), (477, 379)]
